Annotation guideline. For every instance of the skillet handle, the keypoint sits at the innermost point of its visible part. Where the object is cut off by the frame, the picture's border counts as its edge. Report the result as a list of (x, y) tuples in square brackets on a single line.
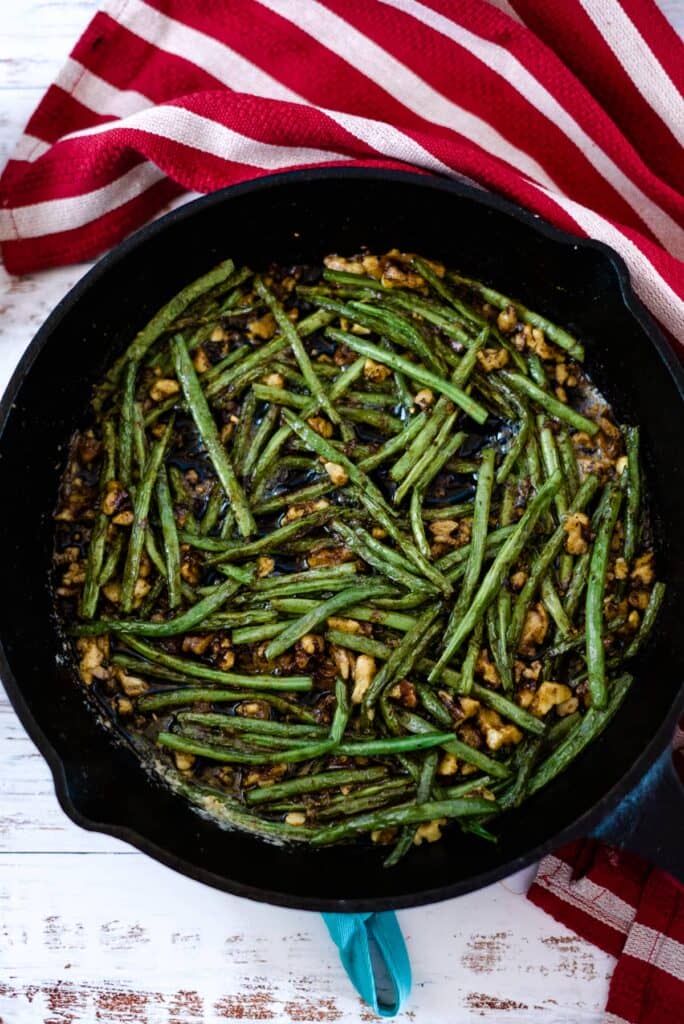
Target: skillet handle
[(648, 821), (374, 956)]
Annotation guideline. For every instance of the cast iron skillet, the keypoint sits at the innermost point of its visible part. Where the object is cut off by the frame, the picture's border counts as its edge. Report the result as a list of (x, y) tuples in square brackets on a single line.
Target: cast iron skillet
[(297, 218)]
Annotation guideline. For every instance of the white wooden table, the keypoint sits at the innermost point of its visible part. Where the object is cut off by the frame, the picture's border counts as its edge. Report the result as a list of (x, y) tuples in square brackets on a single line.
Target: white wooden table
[(91, 930)]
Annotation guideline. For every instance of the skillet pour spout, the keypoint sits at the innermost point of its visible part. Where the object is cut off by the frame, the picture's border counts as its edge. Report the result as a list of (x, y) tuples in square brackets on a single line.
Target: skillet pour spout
[(298, 218)]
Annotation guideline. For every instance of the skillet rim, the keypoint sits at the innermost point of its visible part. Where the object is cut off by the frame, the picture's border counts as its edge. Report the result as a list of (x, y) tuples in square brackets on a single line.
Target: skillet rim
[(652, 750)]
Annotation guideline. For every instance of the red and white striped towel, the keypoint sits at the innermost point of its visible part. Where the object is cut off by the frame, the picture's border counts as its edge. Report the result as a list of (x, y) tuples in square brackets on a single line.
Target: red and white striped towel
[(573, 109), (632, 911)]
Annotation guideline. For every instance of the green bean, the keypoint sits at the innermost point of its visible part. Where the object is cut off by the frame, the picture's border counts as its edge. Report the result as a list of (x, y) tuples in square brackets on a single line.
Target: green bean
[(195, 695), (493, 541), (498, 571), (568, 464), (478, 540), (411, 370), (390, 563), (552, 465), (420, 443), (243, 433), (140, 512), (270, 541), (323, 448), (588, 729), (552, 405), (257, 444), (163, 320), (392, 745), (126, 425), (554, 607), (373, 417), (212, 511), (172, 627), (289, 332), (415, 724), (153, 552), (417, 527), (596, 654), (112, 560), (542, 563), (650, 615), (404, 656), (370, 798), (198, 671), (98, 537), (423, 792), (410, 814), (466, 683), (139, 440), (220, 804), (236, 723), (431, 462), (310, 620), (559, 336), (633, 504), (206, 426), (254, 361), (279, 396), (182, 498), (314, 783)]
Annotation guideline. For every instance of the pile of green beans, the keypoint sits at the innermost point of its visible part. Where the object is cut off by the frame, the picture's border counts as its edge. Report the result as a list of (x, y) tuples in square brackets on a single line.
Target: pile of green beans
[(354, 550)]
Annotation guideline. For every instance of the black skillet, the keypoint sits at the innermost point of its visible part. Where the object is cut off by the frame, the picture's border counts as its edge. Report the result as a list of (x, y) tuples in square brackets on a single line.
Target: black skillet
[(297, 218)]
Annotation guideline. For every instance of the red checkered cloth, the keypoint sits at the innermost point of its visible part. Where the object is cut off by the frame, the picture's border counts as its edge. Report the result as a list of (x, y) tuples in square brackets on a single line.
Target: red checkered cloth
[(573, 109), (629, 909)]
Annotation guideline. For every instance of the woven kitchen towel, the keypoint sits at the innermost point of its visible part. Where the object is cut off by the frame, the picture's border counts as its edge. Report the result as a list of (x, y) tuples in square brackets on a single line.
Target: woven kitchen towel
[(632, 911), (572, 109)]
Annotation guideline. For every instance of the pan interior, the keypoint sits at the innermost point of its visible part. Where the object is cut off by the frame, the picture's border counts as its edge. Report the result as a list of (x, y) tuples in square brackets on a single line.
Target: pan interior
[(298, 219)]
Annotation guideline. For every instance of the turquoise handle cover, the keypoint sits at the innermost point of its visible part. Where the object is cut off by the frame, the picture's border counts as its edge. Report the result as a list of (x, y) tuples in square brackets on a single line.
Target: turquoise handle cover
[(361, 940)]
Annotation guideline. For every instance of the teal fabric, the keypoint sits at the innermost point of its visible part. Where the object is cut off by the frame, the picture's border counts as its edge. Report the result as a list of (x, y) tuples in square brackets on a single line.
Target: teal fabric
[(361, 939)]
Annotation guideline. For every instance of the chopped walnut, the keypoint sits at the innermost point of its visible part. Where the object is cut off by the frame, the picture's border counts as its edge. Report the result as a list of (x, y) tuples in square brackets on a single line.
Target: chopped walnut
[(621, 569), (454, 532), (218, 334), (507, 319), (527, 673), (321, 426), (525, 697), (254, 709), (274, 380), (184, 762), (346, 625), (263, 777), (396, 276), (469, 707), (496, 733), (197, 644), (125, 518), (424, 398), (534, 629), (547, 696), (639, 599), (430, 831), (643, 573), (518, 580), (575, 525), (201, 360), (405, 693), (344, 661), (116, 498), (190, 568), (337, 473), (492, 359), (74, 574), (132, 686), (486, 668), (112, 591), (567, 707), (124, 706), (295, 818), (448, 765), (311, 643), (345, 265), (329, 556), (163, 388), (470, 735), (265, 565), (364, 673), (262, 329), (305, 509), (93, 651), (376, 372)]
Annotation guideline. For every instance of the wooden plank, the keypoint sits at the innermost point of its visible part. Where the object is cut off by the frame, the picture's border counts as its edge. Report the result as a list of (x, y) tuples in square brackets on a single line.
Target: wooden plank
[(121, 938)]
